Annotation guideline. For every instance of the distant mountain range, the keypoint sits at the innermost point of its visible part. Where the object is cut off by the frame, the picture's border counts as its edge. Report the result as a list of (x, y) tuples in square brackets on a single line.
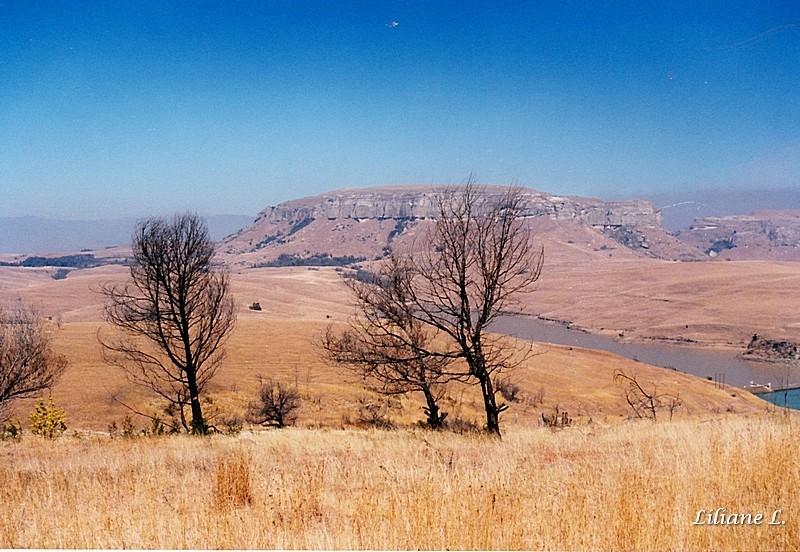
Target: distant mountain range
[(29, 235)]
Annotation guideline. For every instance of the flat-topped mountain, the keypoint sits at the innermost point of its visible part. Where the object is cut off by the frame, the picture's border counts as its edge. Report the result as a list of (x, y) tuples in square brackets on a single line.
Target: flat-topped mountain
[(365, 224), (420, 203)]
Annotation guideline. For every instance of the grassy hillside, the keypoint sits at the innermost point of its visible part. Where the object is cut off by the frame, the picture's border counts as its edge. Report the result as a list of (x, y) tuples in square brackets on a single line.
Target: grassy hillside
[(561, 378), (298, 303)]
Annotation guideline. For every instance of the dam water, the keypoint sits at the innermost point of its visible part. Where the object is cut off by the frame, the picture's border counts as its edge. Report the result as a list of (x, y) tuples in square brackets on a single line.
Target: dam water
[(717, 365)]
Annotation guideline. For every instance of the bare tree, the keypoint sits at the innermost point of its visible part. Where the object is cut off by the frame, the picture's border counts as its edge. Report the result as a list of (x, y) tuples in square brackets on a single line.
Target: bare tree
[(175, 313), (646, 403), (474, 265), (28, 364), (672, 403), (276, 405), (478, 261), (387, 346)]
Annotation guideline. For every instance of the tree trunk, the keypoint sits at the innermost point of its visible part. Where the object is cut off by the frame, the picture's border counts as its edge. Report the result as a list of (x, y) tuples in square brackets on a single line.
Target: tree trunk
[(477, 364), (198, 423), (490, 405), (435, 420)]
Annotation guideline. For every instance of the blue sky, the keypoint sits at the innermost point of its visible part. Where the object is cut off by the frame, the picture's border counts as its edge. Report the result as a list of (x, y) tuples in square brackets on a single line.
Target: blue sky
[(137, 108)]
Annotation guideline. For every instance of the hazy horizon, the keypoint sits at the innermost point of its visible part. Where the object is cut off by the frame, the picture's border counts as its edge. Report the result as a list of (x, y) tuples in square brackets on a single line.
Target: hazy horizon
[(34, 234), (679, 209), (149, 108)]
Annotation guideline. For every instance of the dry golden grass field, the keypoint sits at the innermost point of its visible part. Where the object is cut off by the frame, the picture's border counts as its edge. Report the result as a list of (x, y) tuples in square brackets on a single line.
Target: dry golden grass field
[(635, 486), (603, 484)]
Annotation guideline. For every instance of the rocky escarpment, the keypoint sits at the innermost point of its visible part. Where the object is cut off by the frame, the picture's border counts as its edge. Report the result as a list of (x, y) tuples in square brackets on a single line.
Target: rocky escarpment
[(366, 222), (394, 203), (760, 235)]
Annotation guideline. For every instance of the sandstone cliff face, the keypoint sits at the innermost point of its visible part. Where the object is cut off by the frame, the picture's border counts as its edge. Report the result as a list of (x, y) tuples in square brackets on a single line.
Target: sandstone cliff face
[(762, 234), (413, 204), (366, 223)]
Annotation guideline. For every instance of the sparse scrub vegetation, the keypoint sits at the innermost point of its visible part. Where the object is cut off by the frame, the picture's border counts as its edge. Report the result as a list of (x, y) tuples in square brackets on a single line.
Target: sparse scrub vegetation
[(374, 414), (11, 430), (360, 275), (510, 391), (460, 425), (317, 259), (537, 398), (230, 424), (721, 245), (65, 261), (557, 420), (60, 274), (300, 224)]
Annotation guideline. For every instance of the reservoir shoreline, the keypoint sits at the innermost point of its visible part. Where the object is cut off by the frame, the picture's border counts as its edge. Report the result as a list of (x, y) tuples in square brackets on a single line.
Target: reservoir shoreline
[(724, 366)]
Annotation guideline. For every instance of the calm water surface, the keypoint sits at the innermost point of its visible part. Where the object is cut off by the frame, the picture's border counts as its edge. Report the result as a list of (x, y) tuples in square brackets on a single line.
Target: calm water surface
[(704, 363), (789, 398)]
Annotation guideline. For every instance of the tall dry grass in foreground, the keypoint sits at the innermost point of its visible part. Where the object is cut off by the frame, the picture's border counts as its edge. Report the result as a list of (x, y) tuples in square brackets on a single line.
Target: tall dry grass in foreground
[(624, 487)]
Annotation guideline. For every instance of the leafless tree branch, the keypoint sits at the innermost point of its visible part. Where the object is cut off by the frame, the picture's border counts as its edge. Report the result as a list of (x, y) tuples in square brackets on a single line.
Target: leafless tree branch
[(173, 315)]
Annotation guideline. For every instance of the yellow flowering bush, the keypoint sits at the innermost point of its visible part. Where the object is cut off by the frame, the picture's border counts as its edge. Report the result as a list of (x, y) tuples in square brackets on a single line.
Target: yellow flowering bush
[(47, 420)]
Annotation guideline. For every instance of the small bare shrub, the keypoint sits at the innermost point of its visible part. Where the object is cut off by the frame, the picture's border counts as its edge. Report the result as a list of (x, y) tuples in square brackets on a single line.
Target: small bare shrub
[(673, 403), (11, 430), (462, 425), (508, 389), (373, 414), (232, 484), (276, 405), (557, 420), (644, 402)]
